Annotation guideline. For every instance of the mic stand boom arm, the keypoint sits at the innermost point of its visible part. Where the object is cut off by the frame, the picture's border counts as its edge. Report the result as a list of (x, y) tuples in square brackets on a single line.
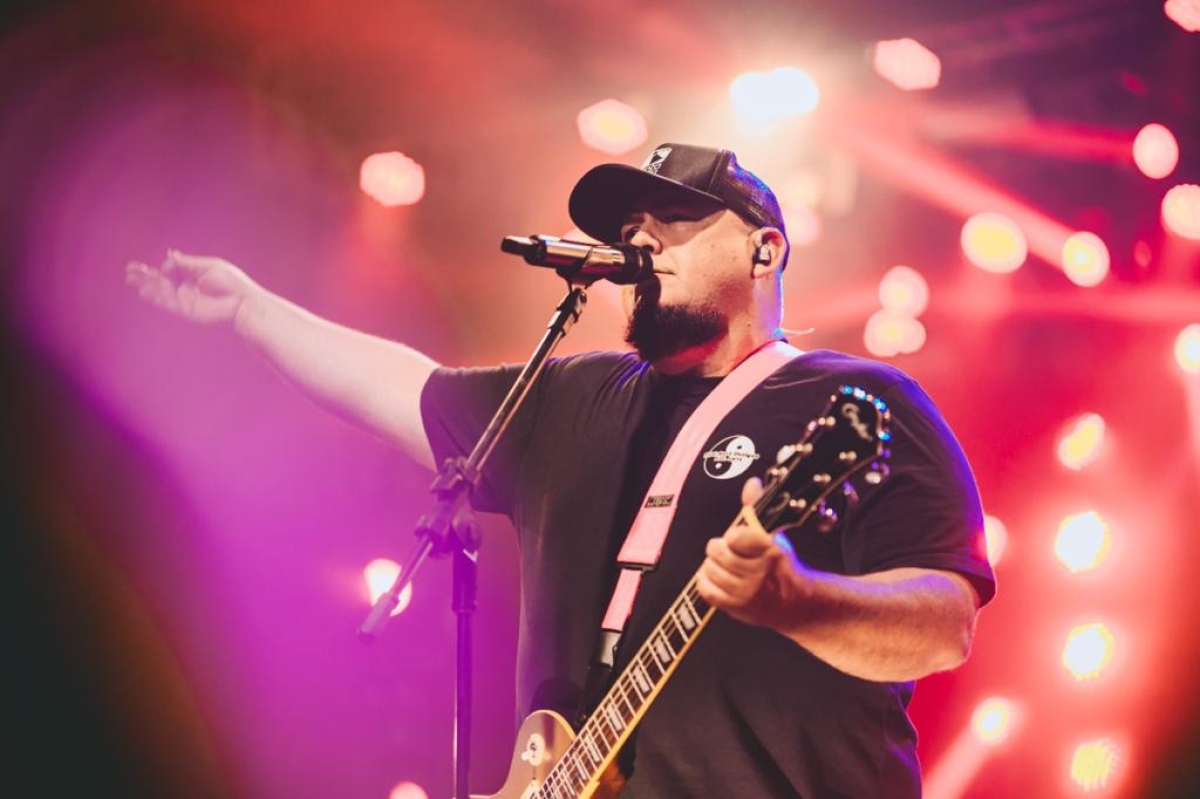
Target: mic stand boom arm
[(450, 528)]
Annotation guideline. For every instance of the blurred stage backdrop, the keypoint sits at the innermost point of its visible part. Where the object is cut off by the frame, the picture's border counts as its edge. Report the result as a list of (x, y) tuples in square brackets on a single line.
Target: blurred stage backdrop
[(997, 197)]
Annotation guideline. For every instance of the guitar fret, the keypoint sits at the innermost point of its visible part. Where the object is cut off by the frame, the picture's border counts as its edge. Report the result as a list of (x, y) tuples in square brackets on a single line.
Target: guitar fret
[(641, 682), (593, 752), (614, 718)]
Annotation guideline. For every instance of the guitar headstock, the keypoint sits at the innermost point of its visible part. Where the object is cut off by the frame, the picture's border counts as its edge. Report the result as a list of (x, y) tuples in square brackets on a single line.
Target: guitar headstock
[(848, 438)]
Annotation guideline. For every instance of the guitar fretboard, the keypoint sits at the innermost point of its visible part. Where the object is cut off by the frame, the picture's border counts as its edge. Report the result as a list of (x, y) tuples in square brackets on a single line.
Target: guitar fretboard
[(611, 722)]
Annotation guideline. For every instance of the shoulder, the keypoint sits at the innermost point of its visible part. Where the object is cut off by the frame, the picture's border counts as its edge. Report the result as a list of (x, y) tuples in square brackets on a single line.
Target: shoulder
[(829, 366), (599, 369)]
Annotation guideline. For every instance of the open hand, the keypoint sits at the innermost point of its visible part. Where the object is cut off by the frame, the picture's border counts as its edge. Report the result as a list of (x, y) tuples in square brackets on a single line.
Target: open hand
[(199, 288)]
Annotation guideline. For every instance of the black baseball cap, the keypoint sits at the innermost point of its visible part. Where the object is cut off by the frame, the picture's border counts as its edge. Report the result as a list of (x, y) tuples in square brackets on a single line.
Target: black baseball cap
[(703, 177)]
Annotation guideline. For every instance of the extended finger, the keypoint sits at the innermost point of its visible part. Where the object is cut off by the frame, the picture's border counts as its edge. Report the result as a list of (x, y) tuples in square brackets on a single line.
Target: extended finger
[(745, 541)]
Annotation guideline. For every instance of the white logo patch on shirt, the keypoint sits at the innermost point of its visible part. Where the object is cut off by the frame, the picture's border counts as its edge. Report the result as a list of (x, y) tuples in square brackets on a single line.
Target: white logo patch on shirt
[(730, 457)]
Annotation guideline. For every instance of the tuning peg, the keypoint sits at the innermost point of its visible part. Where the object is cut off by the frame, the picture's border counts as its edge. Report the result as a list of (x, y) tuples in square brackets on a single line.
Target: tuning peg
[(850, 491), (827, 517), (785, 452)]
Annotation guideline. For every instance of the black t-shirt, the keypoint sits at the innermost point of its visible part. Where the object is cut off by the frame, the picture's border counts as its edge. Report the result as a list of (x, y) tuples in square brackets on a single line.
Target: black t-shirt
[(748, 712)]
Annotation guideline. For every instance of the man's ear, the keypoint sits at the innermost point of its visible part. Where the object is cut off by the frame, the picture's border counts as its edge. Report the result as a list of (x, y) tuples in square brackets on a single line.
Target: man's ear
[(770, 251)]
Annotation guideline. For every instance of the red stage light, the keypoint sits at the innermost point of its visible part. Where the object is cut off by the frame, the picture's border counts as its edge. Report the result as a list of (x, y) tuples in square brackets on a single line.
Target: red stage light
[(392, 179), (1184, 13), (1094, 764), (907, 63), (1088, 650), (994, 243), (1080, 443), (379, 575), (1181, 211), (1187, 349), (1085, 259), (903, 290), (612, 127), (888, 333), (996, 535), (1155, 151), (408, 790)]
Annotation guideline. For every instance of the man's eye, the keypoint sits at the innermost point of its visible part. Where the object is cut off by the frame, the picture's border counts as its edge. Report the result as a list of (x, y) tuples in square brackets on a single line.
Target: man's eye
[(629, 233)]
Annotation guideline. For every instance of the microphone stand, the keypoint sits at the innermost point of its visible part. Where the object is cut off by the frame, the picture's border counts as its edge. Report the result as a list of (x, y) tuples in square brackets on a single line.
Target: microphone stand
[(450, 528)]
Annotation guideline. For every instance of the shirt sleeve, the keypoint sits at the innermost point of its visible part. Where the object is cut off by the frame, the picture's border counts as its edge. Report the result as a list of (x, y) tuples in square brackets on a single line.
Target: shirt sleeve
[(927, 512), (456, 406)]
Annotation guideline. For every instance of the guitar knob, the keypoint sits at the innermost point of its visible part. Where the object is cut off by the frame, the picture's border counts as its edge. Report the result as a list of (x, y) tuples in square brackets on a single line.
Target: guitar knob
[(877, 473), (785, 452)]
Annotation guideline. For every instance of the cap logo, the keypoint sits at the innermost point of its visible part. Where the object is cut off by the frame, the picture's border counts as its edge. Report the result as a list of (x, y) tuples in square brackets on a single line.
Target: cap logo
[(656, 160)]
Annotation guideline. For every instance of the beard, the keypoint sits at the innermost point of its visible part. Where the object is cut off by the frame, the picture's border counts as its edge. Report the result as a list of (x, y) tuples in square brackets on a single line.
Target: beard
[(657, 331)]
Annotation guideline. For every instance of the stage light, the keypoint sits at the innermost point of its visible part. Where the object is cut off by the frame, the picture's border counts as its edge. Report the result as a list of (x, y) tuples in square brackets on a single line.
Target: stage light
[(1094, 764), (611, 126), (1155, 151), (996, 535), (1187, 349), (1085, 259), (762, 99), (408, 790), (1184, 13), (1082, 541), (392, 179), (379, 576), (1088, 651), (1181, 211), (903, 290), (907, 63), (1080, 443), (888, 333), (804, 226), (992, 720), (994, 243)]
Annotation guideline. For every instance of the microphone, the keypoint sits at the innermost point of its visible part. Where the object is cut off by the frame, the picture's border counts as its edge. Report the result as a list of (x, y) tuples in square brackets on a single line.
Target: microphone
[(619, 263)]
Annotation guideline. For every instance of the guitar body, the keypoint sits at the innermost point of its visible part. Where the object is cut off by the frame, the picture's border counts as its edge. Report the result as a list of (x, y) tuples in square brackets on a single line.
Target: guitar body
[(541, 741)]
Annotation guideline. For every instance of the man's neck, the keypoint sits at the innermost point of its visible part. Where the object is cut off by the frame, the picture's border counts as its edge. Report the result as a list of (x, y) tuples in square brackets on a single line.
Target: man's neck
[(718, 357)]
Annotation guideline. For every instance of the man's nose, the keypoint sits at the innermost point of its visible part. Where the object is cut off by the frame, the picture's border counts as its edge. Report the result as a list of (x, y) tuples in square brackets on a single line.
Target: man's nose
[(646, 240)]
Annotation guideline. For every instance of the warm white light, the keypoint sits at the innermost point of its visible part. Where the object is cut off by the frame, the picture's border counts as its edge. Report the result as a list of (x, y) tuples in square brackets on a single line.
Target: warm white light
[(379, 575), (1082, 541), (907, 63), (1187, 349), (994, 243), (1088, 651), (1080, 443), (888, 333), (1181, 211), (1155, 151), (996, 535), (392, 179), (992, 720), (1094, 764), (408, 790), (612, 127), (903, 290), (764, 98), (1085, 259), (1184, 13)]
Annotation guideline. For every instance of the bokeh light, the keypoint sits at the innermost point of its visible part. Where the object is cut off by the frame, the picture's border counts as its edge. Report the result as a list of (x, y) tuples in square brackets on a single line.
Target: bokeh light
[(392, 179), (888, 333), (408, 790), (994, 243), (379, 575), (1080, 442), (904, 290), (992, 720), (762, 99), (1155, 151), (1088, 651), (1181, 211), (996, 534), (1094, 764), (1082, 541), (612, 127), (907, 63), (1085, 259), (1187, 349), (1184, 13)]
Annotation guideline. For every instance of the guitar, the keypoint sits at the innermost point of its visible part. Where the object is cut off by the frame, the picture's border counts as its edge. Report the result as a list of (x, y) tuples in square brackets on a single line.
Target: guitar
[(554, 762)]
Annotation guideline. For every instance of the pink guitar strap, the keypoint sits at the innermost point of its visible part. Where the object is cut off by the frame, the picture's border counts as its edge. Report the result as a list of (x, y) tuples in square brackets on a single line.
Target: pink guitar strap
[(643, 545)]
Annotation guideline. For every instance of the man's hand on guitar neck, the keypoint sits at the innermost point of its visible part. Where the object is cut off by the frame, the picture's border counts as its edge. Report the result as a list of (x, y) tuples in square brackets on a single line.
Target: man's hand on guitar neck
[(889, 626)]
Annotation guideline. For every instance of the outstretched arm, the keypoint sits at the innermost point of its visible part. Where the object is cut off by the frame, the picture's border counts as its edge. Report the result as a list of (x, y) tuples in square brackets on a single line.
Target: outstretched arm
[(891, 626), (370, 381)]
